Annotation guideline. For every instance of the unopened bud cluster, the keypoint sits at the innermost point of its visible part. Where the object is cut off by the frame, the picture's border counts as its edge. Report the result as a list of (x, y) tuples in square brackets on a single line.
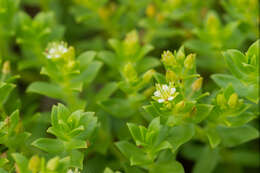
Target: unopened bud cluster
[(178, 59), (168, 58), (230, 102)]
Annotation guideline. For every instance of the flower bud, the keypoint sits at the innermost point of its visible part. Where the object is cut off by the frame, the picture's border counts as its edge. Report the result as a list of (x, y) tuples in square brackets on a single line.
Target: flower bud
[(131, 38), (232, 101), (130, 73), (171, 76), (213, 23), (150, 10), (34, 164), (189, 61), (148, 75), (197, 84), (52, 164), (6, 67), (221, 101), (180, 54), (168, 58), (131, 43)]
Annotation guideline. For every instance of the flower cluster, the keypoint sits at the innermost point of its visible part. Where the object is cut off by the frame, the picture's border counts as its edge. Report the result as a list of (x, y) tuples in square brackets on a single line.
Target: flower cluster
[(56, 50), (165, 93)]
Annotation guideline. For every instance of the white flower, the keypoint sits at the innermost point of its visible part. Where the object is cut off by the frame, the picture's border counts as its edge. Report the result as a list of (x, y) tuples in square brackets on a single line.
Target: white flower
[(75, 171), (165, 93), (56, 50)]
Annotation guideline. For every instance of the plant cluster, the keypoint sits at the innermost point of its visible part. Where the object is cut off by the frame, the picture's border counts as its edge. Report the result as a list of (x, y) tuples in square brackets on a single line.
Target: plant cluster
[(147, 86)]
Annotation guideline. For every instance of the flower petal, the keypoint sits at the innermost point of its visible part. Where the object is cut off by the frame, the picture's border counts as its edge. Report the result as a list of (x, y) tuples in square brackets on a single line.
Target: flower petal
[(173, 90), (161, 100), (170, 98), (157, 93)]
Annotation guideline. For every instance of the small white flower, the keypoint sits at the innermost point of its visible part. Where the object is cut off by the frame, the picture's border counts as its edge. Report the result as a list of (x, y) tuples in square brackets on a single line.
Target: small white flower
[(75, 171), (56, 50), (165, 93)]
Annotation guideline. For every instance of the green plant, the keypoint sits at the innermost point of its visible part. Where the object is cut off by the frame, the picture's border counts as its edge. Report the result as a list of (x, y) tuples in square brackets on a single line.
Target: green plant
[(106, 102)]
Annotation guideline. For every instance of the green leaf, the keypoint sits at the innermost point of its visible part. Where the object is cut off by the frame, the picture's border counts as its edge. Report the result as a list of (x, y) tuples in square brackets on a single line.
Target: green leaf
[(241, 119), (150, 109), (214, 138), (75, 144), (63, 112), (144, 50), (146, 64), (3, 161), (202, 111), (3, 171), (167, 167), (14, 120), (106, 91), (154, 125), (90, 123), (207, 161), (5, 90), (137, 133), (160, 78), (179, 135), (88, 75), (109, 58), (47, 89), (254, 51), (86, 58), (120, 108), (76, 159), (22, 162), (234, 60), (232, 136), (49, 145), (250, 91), (243, 157), (136, 155)]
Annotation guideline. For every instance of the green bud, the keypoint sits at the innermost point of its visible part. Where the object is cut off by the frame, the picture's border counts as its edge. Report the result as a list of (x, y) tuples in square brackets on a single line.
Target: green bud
[(221, 100), (148, 75), (213, 23), (168, 58), (130, 73), (131, 43), (6, 68), (34, 164), (180, 54), (197, 84), (53, 164), (189, 61), (131, 38), (171, 76), (232, 101)]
